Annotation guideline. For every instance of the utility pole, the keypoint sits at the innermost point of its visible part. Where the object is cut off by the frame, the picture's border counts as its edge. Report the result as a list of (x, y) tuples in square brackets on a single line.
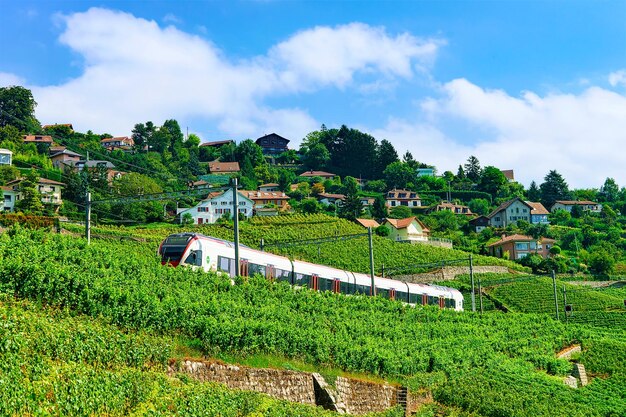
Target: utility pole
[(471, 267), (556, 301), (87, 203), (480, 295), (236, 223), (565, 303), (88, 217), (369, 237)]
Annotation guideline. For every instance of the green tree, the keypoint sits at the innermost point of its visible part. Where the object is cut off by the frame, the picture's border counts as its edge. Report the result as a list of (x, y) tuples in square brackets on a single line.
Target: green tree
[(400, 212), (317, 157), (609, 190), (309, 206), (134, 184), (379, 209), (472, 169), (248, 150), (17, 108), (386, 155), (351, 208), (142, 135), (30, 203), (533, 193), (398, 175), (491, 181), (8, 173), (553, 188), (479, 206)]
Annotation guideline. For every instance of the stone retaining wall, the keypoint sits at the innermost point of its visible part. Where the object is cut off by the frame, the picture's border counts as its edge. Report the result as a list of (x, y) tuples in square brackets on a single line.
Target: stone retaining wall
[(449, 273), (348, 396)]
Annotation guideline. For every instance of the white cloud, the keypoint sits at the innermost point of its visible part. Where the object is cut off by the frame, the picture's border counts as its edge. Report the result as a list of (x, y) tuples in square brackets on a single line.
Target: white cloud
[(7, 79), (618, 77), (135, 70), (172, 18), (581, 136)]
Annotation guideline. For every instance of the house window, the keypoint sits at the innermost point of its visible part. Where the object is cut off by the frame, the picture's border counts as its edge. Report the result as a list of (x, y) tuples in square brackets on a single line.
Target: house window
[(497, 219), (7, 198), (224, 203), (393, 204), (214, 203), (521, 245)]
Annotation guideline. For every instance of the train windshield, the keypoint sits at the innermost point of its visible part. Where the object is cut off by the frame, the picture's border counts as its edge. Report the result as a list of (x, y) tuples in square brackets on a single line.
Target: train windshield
[(173, 248)]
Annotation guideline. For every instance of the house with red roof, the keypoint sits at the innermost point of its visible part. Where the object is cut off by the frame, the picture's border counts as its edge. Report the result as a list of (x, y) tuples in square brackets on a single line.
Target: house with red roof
[(410, 230), (322, 174), (395, 198), (518, 246), (217, 167)]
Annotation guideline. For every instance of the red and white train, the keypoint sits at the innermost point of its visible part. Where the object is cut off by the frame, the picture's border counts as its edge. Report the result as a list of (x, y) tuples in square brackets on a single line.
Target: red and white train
[(213, 254)]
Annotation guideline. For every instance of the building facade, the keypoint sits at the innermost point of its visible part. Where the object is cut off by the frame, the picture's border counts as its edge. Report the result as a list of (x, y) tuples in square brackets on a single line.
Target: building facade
[(216, 205)]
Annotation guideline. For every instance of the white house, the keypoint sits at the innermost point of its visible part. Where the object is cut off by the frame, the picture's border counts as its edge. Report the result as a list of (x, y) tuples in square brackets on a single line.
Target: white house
[(9, 195), (406, 198), (6, 157), (568, 205), (409, 229), (215, 206)]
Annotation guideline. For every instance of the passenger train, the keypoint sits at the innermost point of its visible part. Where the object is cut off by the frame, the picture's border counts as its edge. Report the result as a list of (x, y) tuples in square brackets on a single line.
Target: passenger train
[(212, 254)]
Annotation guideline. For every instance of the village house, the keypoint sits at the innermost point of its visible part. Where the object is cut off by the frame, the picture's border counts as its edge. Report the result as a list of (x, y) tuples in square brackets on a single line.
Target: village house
[(368, 223), (322, 174), (518, 246), (454, 208), (217, 144), (273, 144), (217, 167), (479, 223), (328, 198), (123, 143), (50, 193), (568, 205), (407, 230), (276, 200), (42, 142), (510, 212), (538, 214), (508, 174), (269, 187), (6, 157), (9, 196), (395, 198), (215, 206), (63, 157)]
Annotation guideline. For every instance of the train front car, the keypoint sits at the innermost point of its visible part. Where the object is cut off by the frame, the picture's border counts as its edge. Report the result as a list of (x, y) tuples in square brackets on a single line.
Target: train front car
[(183, 249)]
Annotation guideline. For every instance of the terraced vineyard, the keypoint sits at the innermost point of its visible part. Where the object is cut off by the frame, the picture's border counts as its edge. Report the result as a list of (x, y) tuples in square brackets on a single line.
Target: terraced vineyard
[(491, 365), (346, 254), (53, 363)]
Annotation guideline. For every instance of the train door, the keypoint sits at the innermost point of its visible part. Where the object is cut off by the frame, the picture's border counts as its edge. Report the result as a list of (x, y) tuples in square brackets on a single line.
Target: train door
[(392, 294), (244, 268), (270, 272), (424, 299), (442, 302), (336, 285), (315, 282)]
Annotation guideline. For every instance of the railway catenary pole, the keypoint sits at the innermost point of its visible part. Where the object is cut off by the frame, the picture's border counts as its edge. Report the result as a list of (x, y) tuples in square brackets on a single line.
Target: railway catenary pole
[(369, 238), (480, 295), (565, 304), (471, 268), (236, 224), (88, 218), (556, 300)]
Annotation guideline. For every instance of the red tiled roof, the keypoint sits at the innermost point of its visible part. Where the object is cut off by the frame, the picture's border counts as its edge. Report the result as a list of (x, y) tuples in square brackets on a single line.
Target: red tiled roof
[(404, 223), (264, 195), (368, 223), (513, 238), (538, 208), (508, 173), (335, 196), (393, 194), (576, 203), (271, 184), (41, 181), (38, 138), (316, 174), (217, 142), (217, 167)]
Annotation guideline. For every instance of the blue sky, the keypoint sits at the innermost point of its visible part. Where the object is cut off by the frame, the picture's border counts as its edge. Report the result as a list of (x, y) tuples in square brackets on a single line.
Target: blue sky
[(529, 86)]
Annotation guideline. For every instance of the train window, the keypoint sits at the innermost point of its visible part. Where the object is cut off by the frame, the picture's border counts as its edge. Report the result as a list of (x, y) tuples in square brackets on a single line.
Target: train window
[(303, 279), (226, 265), (254, 269), (383, 292), (346, 288), (325, 284), (433, 301), (415, 298), (194, 258), (282, 275), (362, 289), (449, 303), (171, 253), (401, 296)]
